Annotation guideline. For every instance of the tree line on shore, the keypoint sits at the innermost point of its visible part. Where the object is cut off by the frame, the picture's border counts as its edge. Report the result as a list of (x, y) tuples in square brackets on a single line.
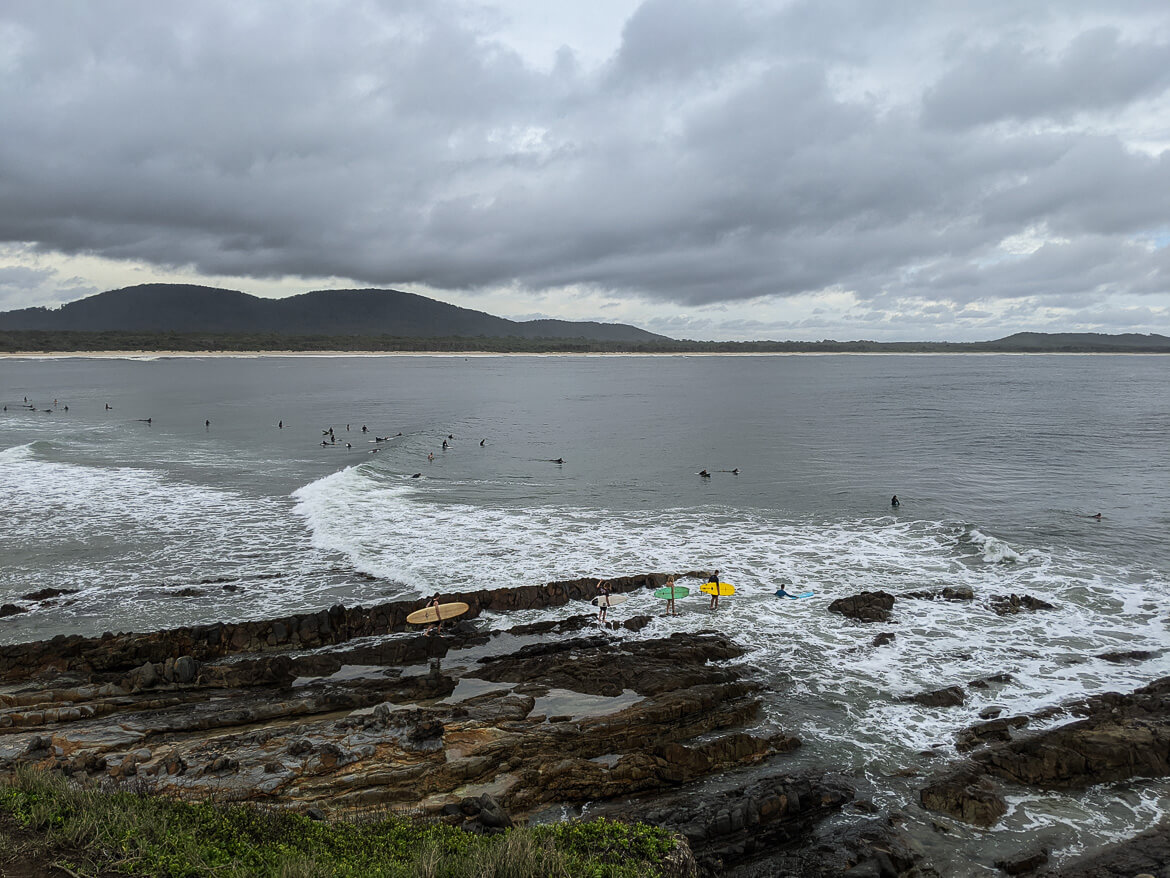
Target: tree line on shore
[(37, 341)]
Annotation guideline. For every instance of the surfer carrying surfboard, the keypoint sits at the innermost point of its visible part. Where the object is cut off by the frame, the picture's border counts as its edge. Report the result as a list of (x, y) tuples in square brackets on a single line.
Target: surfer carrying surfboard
[(433, 603), (670, 602), (603, 592), (714, 580)]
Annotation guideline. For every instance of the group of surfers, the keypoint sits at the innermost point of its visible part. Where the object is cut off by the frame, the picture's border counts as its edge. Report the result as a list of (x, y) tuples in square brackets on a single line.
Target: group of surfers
[(603, 590)]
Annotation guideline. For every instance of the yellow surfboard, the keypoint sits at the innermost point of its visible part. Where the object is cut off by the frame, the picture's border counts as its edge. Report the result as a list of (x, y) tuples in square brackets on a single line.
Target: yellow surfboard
[(436, 614), (724, 589)]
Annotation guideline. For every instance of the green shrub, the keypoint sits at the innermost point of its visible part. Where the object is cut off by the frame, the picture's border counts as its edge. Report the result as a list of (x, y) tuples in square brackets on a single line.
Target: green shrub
[(140, 834)]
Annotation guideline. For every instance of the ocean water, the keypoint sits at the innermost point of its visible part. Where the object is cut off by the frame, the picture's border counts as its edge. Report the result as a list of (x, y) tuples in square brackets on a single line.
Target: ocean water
[(999, 462)]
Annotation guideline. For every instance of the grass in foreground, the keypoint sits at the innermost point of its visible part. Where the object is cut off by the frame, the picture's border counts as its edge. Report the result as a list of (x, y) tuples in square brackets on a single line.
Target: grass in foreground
[(87, 831)]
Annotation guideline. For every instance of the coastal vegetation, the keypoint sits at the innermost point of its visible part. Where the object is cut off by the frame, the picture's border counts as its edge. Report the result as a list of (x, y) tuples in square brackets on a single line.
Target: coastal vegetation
[(62, 341), (49, 821)]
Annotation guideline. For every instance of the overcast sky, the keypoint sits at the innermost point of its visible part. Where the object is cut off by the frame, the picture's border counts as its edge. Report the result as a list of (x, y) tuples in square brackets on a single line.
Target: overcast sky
[(718, 170)]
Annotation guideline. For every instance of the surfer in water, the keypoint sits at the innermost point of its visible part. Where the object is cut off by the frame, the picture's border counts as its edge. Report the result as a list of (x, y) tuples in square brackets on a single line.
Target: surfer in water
[(895, 502), (704, 474), (603, 592), (1097, 516), (670, 603), (714, 605)]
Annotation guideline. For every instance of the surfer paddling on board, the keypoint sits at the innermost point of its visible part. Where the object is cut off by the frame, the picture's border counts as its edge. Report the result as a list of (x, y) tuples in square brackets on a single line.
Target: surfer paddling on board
[(603, 592), (714, 605)]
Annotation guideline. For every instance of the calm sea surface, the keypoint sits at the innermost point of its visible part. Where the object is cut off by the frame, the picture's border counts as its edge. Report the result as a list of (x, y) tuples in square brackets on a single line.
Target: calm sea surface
[(998, 460)]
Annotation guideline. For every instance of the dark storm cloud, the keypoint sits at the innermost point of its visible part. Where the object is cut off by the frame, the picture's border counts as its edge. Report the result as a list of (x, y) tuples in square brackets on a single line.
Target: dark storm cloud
[(725, 152)]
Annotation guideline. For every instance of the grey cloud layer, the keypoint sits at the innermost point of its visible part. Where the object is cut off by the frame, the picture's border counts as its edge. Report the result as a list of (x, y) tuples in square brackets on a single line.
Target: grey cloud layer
[(715, 157)]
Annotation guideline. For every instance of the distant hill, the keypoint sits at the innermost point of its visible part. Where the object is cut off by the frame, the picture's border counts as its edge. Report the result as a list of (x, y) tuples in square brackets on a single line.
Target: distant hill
[(185, 308), (1082, 341)]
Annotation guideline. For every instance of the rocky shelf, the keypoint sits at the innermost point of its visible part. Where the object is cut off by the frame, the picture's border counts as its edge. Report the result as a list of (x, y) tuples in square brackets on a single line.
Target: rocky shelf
[(344, 712)]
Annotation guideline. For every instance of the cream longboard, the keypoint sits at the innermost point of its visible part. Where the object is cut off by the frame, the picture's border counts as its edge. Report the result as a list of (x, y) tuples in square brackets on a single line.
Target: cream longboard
[(437, 614), (609, 600)]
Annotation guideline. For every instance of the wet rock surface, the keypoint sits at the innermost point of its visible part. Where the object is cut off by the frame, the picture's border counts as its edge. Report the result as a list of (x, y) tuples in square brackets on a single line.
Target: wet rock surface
[(478, 729), (345, 709), (868, 606), (1119, 736), (1147, 854), (1009, 605)]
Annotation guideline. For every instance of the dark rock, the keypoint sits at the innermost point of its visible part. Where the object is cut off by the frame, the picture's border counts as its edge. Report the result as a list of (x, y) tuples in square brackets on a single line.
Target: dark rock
[(1147, 854), (875, 847), (985, 682), (185, 669), (884, 638), (950, 593), (602, 666), (315, 814), (1007, 605), (868, 606), (727, 827), (1121, 736), (492, 814), (11, 610), (1023, 863), (951, 696), (993, 731), (46, 593), (1133, 655), (966, 795)]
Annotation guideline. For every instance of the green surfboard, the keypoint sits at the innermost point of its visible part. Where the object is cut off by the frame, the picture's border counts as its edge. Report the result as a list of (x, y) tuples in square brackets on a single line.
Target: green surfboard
[(680, 591)]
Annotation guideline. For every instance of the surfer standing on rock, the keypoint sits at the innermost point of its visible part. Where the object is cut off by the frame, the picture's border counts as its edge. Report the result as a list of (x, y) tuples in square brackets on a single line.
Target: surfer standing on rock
[(433, 604), (603, 593), (670, 602)]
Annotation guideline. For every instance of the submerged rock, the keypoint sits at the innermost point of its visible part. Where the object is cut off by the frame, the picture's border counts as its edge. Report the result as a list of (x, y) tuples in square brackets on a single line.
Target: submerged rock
[(949, 593), (951, 696), (1008, 605)]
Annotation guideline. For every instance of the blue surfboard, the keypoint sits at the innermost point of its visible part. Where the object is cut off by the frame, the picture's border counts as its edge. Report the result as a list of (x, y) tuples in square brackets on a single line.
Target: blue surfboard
[(781, 593)]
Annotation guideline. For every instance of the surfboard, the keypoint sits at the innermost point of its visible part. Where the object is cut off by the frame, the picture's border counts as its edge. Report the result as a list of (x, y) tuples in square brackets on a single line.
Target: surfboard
[(724, 589), (680, 591), (435, 614), (610, 600), (783, 594)]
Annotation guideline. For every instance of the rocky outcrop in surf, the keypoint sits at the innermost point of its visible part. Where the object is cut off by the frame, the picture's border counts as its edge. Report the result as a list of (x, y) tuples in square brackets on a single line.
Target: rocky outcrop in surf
[(113, 654), (1147, 854), (1011, 604), (868, 606), (1118, 737), (354, 724)]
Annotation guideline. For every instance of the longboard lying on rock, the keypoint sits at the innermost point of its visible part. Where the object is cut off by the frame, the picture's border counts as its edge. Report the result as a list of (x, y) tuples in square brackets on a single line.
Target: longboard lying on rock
[(437, 614), (609, 600), (723, 589)]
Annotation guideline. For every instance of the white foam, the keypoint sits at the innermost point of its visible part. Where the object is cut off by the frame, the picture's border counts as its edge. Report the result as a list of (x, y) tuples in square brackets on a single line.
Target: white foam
[(826, 674), (127, 539)]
